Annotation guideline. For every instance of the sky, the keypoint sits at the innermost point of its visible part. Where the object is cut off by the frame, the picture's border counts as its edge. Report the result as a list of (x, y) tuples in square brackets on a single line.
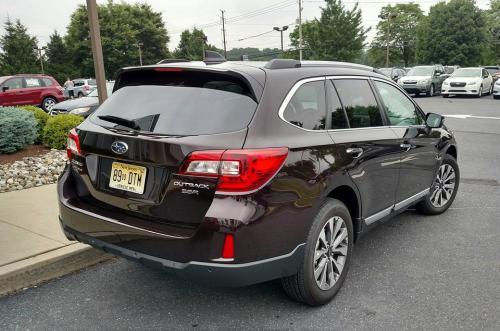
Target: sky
[(244, 18)]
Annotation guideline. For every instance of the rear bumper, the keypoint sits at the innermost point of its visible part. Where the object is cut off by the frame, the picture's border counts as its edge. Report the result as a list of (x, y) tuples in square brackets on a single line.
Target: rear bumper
[(213, 274)]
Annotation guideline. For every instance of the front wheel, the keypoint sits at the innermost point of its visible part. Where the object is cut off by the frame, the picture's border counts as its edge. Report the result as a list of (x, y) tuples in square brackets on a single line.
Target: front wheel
[(48, 103), (444, 189), (480, 92), (326, 258)]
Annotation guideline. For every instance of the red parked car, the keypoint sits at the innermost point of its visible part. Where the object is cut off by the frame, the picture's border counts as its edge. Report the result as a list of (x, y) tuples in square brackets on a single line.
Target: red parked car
[(37, 90)]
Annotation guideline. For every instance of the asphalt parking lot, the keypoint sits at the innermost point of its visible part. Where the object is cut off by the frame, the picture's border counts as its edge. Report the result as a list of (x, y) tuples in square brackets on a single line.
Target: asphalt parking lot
[(413, 272)]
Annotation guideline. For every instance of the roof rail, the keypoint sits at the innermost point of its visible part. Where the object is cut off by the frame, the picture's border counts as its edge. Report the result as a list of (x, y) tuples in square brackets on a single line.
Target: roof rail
[(165, 61), (282, 64), (211, 57)]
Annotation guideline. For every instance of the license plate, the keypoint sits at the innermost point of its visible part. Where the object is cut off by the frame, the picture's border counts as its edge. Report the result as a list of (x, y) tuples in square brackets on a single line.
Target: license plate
[(127, 177)]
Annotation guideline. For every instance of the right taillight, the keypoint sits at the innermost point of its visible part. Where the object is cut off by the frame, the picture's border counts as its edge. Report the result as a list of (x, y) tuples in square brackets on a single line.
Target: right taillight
[(240, 170), (73, 144)]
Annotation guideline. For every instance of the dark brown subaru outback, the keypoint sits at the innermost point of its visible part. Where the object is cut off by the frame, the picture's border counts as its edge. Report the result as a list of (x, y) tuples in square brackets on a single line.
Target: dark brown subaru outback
[(239, 172)]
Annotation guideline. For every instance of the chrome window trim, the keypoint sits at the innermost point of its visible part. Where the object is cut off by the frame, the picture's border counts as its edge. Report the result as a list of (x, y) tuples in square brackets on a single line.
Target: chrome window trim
[(289, 96)]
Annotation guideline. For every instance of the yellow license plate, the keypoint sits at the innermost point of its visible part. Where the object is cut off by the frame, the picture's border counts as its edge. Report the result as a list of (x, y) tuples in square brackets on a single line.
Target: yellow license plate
[(127, 177)]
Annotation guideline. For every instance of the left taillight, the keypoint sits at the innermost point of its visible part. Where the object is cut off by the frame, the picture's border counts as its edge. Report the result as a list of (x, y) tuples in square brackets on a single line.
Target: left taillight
[(73, 144), (241, 170)]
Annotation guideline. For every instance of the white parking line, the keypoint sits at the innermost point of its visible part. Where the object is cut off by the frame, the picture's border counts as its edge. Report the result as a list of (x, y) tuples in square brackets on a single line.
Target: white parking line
[(473, 116)]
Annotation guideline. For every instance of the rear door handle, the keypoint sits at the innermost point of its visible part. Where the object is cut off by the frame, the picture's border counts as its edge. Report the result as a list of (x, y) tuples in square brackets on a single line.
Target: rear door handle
[(407, 147), (355, 152)]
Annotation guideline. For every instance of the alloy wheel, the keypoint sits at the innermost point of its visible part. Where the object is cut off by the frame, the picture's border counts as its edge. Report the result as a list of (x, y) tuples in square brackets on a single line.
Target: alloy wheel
[(48, 104), (444, 186), (330, 253)]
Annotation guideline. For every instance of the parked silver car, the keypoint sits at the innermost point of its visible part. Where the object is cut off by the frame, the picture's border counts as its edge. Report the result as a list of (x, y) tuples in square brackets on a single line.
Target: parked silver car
[(83, 86)]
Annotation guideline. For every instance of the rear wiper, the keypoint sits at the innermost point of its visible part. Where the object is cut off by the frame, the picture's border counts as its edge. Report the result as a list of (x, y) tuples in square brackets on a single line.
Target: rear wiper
[(144, 133), (121, 121)]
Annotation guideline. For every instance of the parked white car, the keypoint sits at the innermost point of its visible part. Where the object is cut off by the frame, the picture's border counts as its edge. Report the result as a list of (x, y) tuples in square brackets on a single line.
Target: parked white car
[(468, 81), (496, 89)]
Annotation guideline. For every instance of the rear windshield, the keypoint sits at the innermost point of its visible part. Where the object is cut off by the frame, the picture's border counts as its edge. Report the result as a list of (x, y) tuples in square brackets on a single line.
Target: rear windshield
[(174, 105)]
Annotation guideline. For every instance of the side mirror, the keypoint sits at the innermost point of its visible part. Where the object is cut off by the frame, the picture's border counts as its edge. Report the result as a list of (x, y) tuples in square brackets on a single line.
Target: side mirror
[(4, 88), (433, 120)]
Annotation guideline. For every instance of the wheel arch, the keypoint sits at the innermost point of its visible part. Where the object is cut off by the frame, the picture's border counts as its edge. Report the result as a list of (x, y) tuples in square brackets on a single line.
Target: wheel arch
[(452, 150), (349, 197)]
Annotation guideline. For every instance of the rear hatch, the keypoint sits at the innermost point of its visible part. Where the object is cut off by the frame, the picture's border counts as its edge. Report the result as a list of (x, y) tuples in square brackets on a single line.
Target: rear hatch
[(132, 147)]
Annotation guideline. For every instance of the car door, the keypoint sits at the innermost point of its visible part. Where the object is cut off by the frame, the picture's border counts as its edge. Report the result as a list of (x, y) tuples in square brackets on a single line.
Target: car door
[(33, 91), (368, 149), (487, 81), (14, 94), (418, 154)]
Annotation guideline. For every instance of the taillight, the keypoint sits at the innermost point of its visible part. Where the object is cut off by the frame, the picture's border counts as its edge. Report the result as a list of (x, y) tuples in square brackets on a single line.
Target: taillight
[(73, 144), (239, 170), (86, 87)]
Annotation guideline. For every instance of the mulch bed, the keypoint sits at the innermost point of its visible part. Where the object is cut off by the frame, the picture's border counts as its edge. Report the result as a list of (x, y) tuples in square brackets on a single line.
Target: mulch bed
[(32, 150)]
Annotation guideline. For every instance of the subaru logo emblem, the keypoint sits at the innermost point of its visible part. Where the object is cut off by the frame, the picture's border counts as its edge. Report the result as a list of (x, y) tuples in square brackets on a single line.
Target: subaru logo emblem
[(119, 147)]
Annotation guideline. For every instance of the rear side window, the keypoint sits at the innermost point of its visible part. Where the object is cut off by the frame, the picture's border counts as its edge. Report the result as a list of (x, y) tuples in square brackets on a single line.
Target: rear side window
[(359, 102), (177, 103), (306, 108), (47, 82), (32, 82)]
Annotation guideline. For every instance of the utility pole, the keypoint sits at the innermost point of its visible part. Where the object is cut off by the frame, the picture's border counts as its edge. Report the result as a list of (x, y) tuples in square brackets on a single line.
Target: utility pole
[(300, 30), (387, 16), (95, 40), (284, 28), (139, 44), (39, 50), (224, 33)]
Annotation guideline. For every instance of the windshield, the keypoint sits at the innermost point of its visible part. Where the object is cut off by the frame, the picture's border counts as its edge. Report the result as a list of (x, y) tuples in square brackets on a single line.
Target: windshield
[(95, 92), (467, 72), (421, 71), (179, 110)]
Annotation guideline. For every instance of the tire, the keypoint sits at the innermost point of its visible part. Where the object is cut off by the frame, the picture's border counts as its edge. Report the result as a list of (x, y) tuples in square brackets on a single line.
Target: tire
[(80, 94), (303, 286), (496, 97), (445, 95), (429, 205), (48, 103), (431, 91), (480, 92)]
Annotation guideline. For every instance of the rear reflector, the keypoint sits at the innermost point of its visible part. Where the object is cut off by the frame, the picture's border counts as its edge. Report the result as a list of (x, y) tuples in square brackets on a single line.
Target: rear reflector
[(228, 249), (240, 170), (73, 144)]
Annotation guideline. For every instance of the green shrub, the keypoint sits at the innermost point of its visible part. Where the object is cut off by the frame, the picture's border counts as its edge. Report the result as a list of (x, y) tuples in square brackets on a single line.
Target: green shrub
[(57, 128), (41, 118), (17, 129)]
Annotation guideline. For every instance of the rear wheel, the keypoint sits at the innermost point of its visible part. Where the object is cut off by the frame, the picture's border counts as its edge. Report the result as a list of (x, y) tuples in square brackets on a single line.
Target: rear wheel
[(80, 94), (431, 91), (48, 103), (444, 189), (445, 95), (480, 92), (327, 256)]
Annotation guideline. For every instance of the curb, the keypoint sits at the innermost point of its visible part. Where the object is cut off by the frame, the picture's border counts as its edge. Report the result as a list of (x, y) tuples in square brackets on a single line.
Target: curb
[(35, 270)]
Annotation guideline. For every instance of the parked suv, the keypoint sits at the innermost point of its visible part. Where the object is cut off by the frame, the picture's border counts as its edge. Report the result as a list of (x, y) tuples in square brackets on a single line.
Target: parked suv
[(424, 79), (239, 173), (37, 90), (83, 86)]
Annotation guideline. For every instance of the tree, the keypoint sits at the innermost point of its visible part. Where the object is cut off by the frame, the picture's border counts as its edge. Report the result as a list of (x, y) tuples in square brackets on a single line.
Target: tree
[(491, 53), (123, 28), (18, 54), (453, 33), (337, 35), (192, 45), (59, 63), (253, 53), (398, 27)]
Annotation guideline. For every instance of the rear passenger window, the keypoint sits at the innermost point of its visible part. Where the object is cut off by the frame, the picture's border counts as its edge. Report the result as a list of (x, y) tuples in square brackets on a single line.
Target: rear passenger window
[(47, 82), (338, 119), (306, 108), (32, 82), (359, 102)]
